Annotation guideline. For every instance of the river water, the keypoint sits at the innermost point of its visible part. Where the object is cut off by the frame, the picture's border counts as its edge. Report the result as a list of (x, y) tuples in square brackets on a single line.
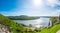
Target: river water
[(35, 23)]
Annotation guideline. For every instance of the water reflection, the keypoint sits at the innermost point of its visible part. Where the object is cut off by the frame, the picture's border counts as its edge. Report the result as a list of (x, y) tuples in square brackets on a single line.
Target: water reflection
[(42, 22)]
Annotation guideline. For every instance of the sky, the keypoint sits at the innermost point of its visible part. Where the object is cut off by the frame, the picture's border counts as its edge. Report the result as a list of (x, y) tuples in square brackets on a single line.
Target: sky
[(30, 7)]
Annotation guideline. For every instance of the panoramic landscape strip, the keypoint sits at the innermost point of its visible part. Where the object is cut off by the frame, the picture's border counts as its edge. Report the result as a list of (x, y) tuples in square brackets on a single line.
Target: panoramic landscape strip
[(29, 16), (13, 27)]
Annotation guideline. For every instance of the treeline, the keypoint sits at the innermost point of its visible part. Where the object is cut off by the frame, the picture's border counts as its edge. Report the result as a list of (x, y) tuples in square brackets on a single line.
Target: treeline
[(22, 17)]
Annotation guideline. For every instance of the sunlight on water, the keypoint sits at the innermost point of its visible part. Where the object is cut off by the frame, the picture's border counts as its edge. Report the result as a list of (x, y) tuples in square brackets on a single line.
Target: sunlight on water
[(38, 22), (41, 22)]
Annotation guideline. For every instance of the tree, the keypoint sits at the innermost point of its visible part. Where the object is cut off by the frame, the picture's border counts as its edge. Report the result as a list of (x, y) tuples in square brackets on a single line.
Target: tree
[(49, 25), (54, 20)]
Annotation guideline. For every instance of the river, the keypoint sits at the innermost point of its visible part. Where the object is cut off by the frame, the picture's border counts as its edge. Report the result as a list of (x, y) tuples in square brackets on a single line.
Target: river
[(35, 23)]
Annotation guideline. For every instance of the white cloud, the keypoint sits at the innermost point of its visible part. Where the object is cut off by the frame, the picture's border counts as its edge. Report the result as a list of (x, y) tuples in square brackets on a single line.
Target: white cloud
[(53, 3), (39, 7)]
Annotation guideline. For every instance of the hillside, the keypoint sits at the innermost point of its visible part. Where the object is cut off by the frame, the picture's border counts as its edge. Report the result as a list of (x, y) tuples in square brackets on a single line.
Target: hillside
[(53, 29), (23, 17), (15, 28)]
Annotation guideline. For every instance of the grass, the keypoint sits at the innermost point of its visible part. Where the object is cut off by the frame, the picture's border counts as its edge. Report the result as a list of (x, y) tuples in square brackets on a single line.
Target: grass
[(53, 29)]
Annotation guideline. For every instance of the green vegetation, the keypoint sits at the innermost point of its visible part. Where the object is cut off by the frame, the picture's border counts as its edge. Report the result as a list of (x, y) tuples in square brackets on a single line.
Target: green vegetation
[(52, 29), (21, 28), (55, 20), (15, 27), (9, 23), (23, 17)]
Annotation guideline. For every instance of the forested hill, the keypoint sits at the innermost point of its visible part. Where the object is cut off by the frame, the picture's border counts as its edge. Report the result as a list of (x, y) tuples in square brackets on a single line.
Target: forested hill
[(23, 17)]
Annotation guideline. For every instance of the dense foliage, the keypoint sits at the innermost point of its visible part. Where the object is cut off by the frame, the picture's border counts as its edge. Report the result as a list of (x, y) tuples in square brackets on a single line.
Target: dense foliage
[(54, 20)]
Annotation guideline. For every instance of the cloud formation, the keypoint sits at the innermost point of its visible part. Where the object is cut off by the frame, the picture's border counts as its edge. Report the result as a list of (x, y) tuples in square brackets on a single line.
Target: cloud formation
[(53, 3), (36, 8), (46, 7)]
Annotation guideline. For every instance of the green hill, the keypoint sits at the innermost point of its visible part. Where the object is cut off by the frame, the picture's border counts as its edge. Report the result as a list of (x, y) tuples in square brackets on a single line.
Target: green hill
[(53, 29), (15, 28)]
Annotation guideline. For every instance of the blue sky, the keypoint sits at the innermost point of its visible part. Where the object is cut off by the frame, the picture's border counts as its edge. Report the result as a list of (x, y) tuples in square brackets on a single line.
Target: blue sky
[(30, 7)]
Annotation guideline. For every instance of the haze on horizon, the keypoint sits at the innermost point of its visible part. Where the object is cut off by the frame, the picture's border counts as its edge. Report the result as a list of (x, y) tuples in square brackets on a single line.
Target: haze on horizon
[(30, 7)]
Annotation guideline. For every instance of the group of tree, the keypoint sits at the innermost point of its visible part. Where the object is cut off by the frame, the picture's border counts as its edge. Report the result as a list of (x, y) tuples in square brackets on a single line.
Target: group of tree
[(54, 20)]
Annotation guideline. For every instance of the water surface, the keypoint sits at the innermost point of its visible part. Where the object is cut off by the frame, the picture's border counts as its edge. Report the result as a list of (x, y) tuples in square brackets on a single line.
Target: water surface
[(36, 23)]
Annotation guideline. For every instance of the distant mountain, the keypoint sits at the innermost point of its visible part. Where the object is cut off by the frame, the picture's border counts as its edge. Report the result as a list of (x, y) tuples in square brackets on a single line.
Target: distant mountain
[(23, 17)]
